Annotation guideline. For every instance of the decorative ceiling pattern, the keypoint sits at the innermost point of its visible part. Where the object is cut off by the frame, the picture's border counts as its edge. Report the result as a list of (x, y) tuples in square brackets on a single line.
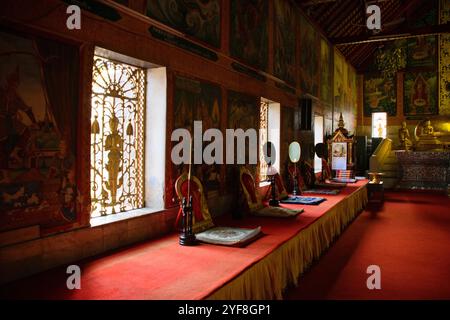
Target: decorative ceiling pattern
[(344, 23)]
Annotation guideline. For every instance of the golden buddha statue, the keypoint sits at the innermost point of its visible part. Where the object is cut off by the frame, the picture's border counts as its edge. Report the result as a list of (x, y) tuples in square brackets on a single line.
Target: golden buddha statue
[(427, 129), (404, 137), (427, 139)]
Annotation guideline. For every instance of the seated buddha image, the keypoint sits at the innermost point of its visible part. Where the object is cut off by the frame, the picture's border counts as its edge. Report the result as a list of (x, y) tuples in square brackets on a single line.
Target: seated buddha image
[(427, 129), (427, 137), (420, 93), (422, 49)]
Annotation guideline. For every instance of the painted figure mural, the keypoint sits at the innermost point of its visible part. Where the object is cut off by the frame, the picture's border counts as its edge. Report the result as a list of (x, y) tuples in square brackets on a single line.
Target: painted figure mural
[(420, 92), (309, 57), (243, 112), (249, 32), (421, 52), (379, 95), (198, 101), (285, 41), (325, 72), (197, 18), (339, 77), (444, 61), (38, 102)]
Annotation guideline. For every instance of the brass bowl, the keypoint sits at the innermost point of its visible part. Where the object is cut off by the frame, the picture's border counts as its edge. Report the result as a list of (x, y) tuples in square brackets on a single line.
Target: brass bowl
[(375, 177)]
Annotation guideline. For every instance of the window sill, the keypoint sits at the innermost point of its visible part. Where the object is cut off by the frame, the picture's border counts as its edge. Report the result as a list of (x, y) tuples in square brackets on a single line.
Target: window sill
[(99, 221)]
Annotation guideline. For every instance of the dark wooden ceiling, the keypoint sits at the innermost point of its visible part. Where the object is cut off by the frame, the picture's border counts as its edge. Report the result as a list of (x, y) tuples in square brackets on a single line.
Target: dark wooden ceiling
[(344, 23)]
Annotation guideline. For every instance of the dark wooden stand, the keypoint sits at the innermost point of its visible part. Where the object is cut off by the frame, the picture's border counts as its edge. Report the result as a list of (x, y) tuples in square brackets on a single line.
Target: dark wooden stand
[(187, 237), (374, 188), (273, 201)]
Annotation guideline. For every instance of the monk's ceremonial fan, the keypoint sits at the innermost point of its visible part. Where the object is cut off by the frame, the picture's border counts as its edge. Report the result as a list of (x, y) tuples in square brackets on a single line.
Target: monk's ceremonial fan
[(294, 155)]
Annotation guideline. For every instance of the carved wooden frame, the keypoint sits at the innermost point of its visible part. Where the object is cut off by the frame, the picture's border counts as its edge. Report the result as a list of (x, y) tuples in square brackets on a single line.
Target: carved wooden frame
[(339, 137), (207, 222)]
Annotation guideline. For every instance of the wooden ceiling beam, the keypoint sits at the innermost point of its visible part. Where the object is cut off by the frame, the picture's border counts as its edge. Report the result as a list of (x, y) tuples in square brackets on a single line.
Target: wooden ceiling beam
[(338, 17), (358, 54), (390, 15), (363, 65), (369, 50), (393, 11), (325, 13), (346, 26), (322, 12)]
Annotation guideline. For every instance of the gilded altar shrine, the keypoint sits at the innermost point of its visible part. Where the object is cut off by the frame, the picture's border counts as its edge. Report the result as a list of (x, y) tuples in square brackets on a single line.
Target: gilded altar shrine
[(425, 162)]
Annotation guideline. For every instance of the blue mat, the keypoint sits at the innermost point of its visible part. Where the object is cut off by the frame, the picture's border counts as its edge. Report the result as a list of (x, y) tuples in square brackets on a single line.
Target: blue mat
[(344, 180), (303, 200)]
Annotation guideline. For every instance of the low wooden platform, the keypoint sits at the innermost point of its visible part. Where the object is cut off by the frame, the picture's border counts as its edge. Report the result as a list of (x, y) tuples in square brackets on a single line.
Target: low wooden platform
[(162, 269)]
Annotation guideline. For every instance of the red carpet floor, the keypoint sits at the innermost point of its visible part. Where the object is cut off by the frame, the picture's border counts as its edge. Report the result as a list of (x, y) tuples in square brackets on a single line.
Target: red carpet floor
[(409, 239)]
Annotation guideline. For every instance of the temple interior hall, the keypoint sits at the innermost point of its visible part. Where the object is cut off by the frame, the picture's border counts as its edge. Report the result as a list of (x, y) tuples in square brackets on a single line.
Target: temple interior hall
[(224, 150)]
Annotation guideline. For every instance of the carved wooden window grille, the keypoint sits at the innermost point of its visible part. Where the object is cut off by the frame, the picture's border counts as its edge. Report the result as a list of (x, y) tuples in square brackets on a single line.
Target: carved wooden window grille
[(117, 137), (263, 138)]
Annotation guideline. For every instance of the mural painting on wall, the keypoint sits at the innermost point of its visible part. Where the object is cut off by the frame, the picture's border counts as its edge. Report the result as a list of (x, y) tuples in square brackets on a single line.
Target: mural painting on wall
[(249, 32), (345, 91), (444, 61), (243, 113), (198, 101), (309, 57), (325, 71), (421, 52), (420, 92), (351, 104), (38, 104), (339, 80), (197, 18), (285, 41), (328, 127), (379, 95)]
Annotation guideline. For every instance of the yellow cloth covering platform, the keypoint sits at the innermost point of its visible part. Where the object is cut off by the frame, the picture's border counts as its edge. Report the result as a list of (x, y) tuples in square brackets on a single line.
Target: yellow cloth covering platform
[(268, 278)]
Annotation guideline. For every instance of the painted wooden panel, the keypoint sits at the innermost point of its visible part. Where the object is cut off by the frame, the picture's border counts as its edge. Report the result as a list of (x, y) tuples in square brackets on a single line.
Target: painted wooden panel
[(38, 116), (197, 18), (249, 38), (285, 41)]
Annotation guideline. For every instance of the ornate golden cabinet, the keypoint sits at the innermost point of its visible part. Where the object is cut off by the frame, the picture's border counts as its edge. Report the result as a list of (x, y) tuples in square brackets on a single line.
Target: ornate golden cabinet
[(341, 155)]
